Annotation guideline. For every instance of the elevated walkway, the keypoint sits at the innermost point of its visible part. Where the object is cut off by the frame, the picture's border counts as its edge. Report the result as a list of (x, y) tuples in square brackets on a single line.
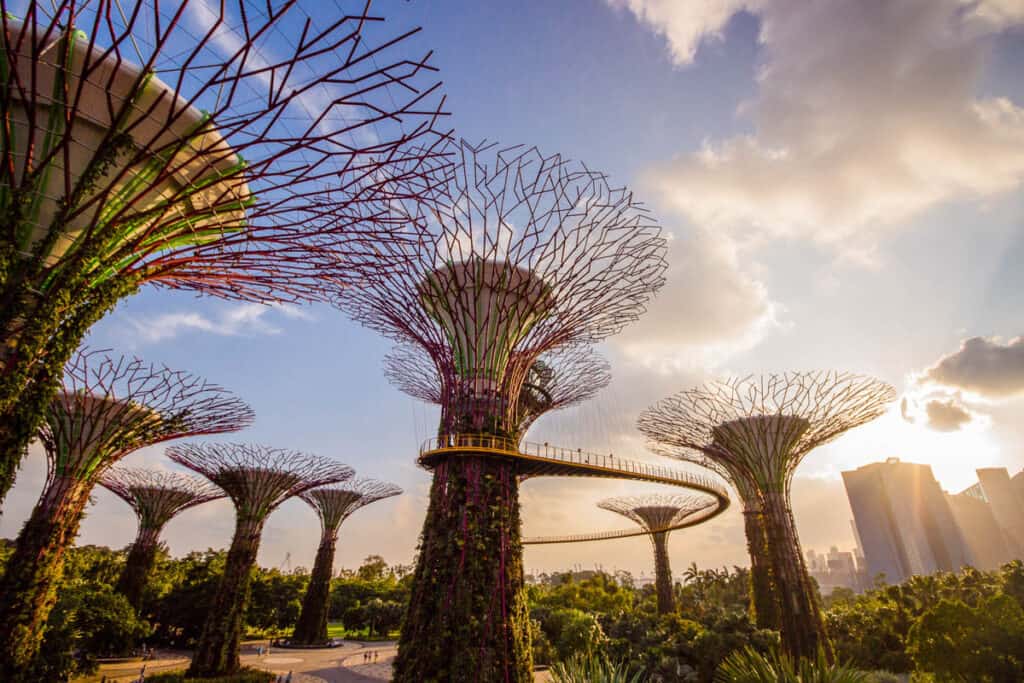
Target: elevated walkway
[(545, 460)]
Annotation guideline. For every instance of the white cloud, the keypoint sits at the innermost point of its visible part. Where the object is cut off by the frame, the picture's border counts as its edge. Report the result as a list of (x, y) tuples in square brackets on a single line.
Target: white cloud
[(708, 310), (238, 319), (866, 114), (684, 25)]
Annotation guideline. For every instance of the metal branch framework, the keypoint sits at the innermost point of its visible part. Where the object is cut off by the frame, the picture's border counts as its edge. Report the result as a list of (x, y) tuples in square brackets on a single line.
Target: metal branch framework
[(513, 254), (333, 505), (204, 147), (156, 497), (658, 514), (257, 479), (108, 408), (756, 431), (761, 427), (113, 405), (520, 254), (558, 379), (241, 149)]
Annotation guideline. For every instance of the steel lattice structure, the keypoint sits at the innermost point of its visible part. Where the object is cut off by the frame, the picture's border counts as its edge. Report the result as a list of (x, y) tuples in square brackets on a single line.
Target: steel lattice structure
[(516, 254), (520, 254), (333, 505), (156, 496), (257, 479), (658, 514), (108, 408), (756, 431), (558, 379), (244, 150)]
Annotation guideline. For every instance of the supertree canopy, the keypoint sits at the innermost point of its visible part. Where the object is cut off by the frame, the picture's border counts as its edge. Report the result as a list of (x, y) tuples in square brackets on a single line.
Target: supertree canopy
[(234, 149), (155, 496), (558, 379), (658, 514), (109, 407), (757, 430), (257, 479), (519, 254), (333, 504)]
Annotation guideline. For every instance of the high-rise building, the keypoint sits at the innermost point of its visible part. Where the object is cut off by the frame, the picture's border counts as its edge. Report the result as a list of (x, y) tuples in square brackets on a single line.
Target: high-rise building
[(1007, 505), (985, 540), (904, 522)]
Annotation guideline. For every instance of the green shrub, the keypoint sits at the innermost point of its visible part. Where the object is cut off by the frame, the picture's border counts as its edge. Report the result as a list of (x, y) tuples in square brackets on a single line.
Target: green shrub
[(592, 669), (750, 666)]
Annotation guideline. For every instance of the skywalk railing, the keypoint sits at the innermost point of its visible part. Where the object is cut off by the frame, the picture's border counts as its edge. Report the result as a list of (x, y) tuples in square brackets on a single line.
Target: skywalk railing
[(579, 457)]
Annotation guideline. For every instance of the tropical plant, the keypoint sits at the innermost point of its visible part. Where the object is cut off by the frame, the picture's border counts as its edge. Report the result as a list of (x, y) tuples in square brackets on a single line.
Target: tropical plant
[(591, 668), (751, 666)]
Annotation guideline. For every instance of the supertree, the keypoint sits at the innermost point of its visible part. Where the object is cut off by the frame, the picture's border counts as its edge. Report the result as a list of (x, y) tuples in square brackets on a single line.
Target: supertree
[(257, 479), (333, 504), (758, 429), (109, 407), (658, 514), (764, 600), (558, 379), (233, 149), (522, 254), (155, 496)]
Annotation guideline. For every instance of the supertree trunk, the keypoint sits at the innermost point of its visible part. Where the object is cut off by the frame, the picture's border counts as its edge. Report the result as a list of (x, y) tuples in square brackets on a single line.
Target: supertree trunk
[(137, 567), (217, 651), (28, 588), (311, 628), (802, 625), (39, 340), (663, 574), (467, 618), (763, 599)]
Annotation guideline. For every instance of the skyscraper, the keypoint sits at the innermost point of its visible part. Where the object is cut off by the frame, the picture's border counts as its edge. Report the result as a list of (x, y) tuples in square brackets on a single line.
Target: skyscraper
[(903, 520)]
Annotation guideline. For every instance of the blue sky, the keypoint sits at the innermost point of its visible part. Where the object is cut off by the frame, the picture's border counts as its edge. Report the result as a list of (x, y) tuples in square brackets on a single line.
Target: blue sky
[(842, 186)]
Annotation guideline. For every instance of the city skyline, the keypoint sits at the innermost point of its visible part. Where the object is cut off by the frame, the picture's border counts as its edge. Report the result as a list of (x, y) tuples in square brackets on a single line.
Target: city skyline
[(912, 279)]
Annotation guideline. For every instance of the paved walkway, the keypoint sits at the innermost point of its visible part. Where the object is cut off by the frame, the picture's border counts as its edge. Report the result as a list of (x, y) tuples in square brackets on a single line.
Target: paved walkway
[(345, 664)]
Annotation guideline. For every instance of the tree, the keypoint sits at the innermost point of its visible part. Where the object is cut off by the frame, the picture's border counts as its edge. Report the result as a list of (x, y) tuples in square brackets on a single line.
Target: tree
[(235, 173), (982, 644), (109, 408), (520, 254), (257, 479)]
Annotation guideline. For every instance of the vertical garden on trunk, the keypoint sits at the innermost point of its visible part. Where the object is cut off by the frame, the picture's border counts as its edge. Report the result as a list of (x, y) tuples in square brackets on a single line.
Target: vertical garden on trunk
[(333, 505)]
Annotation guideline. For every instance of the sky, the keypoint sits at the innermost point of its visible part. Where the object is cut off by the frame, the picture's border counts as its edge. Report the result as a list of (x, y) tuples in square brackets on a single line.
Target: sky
[(841, 185)]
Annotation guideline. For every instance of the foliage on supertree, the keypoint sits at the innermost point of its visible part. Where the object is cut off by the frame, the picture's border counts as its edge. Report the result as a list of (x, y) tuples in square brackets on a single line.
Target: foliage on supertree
[(156, 496), (658, 514), (763, 596), (242, 150), (516, 254), (559, 379), (108, 408), (333, 505), (257, 479), (757, 430)]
